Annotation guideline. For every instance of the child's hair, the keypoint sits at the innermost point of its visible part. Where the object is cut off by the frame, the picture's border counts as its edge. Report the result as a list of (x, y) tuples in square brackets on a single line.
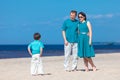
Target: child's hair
[(37, 36)]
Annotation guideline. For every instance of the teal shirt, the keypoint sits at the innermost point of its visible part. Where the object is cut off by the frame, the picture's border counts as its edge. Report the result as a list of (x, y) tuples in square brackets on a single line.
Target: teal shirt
[(35, 46), (70, 28)]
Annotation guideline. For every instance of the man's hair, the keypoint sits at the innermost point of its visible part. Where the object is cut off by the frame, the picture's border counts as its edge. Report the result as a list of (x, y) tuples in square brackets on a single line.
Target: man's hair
[(74, 11), (37, 36)]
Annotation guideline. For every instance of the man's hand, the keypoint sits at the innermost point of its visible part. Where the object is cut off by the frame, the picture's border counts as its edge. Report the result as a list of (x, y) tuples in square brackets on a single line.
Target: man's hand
[(66, 42)]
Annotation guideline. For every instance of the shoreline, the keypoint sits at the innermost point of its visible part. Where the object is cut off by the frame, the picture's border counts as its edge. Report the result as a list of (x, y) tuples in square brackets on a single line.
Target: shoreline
[(49, 53)]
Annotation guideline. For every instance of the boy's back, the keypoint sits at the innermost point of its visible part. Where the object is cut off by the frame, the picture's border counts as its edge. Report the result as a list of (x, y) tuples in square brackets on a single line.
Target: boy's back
[(35, 46)]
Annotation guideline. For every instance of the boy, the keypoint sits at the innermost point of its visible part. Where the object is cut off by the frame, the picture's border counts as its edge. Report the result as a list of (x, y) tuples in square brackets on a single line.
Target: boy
[(35, 49)]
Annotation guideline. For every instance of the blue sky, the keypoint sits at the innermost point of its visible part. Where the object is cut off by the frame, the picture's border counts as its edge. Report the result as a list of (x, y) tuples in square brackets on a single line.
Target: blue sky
[(19, 19)]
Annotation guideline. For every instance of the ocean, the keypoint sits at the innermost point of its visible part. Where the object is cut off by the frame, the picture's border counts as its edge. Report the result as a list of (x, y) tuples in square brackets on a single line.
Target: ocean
[(20, 51)]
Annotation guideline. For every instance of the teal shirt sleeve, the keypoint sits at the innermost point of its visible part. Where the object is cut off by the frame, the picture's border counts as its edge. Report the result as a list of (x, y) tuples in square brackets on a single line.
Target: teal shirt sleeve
[(41, 45), (29, 46), (64, 27)]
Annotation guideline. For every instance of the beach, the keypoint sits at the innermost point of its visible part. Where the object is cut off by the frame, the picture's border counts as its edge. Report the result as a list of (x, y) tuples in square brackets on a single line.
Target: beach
[(19, 68)]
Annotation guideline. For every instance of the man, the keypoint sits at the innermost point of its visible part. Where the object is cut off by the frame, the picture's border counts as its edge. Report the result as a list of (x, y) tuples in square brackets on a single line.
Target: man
[(69, 32)]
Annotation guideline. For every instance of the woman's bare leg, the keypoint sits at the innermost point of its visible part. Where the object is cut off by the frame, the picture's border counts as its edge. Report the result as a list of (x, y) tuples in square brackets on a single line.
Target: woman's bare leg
[(86, 64), (92, 64)]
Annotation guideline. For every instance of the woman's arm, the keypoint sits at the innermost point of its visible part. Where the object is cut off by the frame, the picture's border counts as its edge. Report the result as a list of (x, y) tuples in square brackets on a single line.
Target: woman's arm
[(90, 32)]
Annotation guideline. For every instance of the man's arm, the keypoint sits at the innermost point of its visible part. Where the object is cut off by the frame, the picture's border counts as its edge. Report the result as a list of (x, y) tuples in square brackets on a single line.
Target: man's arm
[(64, 37)]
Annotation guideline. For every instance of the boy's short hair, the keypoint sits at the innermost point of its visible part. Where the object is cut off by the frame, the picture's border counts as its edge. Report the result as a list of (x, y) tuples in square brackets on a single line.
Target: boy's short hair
[(74, 11), (37, 36)]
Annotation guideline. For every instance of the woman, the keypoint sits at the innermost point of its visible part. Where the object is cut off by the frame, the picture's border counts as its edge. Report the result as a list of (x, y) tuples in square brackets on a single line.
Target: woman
[(85, 49)]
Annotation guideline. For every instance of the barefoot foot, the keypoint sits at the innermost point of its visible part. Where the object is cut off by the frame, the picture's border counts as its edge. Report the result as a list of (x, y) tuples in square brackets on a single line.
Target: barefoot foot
[(94, 68)]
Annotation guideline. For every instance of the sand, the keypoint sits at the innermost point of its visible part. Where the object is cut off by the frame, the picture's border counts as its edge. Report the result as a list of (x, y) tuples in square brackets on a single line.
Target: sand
[(108, 68)]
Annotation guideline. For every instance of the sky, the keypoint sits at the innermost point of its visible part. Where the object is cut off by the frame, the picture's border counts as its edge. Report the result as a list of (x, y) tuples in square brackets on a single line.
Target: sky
[(20, 19)]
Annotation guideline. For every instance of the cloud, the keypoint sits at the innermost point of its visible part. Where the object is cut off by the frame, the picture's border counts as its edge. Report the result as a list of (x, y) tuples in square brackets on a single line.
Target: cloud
[(66, 17), (109, 15), (6, 26), (44, 22), (99, 16)]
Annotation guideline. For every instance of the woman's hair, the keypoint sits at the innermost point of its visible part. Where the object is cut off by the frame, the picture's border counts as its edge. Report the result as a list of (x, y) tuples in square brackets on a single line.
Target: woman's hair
[(37, 36), (83, 14)]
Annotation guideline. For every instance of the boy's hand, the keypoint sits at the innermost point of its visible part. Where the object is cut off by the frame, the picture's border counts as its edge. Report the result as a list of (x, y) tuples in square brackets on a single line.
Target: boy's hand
[(29, 51), (41, 49), (40, 55)]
